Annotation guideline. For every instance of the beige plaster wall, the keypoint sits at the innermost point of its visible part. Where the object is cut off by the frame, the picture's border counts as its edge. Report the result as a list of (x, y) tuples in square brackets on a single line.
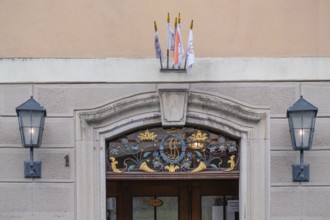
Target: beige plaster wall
[(109, 28)]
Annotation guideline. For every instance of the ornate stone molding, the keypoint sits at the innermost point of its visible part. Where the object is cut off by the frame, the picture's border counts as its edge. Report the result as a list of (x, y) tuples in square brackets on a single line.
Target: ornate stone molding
[(141, 101), (223, 107)]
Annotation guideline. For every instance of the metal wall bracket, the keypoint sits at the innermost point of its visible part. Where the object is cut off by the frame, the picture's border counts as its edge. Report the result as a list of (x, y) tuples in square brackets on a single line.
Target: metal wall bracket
[(32, 171), (300, 174), (172, 70)]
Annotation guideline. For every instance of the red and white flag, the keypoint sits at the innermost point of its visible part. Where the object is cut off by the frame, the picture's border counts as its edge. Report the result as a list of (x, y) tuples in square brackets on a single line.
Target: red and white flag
[(190, 52), (178, 48)]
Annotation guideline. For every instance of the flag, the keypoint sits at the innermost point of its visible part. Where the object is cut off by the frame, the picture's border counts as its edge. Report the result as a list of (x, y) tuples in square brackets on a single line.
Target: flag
[(159, 53), (170, 37), (178, 48), (190, 52)]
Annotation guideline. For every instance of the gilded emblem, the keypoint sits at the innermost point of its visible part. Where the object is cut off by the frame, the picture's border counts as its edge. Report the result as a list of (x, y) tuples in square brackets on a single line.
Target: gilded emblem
[(170, 148)]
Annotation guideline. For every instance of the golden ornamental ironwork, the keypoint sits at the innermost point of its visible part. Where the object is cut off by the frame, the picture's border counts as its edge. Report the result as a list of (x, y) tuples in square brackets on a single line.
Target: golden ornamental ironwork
[(147, 136), (198, 139), (114, 165), (199, 136), (201, 166), (232, 163), (157, 150), (171, 168), (145, 168)]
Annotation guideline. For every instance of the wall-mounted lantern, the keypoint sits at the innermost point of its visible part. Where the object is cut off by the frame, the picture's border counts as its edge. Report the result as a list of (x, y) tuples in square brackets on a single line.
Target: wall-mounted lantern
[(31, 119), (301, 118)]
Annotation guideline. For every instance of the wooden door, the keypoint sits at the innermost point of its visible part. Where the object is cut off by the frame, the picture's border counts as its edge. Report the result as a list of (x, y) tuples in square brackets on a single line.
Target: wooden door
[(171, 199)]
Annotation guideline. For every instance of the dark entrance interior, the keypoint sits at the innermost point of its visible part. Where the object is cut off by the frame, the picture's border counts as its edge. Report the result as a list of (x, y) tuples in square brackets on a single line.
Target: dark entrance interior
[(172, 199)]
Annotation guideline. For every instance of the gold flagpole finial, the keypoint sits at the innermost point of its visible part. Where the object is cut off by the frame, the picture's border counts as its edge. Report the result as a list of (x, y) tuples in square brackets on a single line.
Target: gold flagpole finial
[(168, 17), (179, 19), (191, 24), (176, 22), (155, 25)]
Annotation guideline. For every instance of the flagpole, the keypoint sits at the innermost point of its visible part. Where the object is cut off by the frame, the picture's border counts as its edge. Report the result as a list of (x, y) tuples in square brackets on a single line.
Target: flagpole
[(179, 23), (160, 58), (191, 27), (168, 51), (175, 26)]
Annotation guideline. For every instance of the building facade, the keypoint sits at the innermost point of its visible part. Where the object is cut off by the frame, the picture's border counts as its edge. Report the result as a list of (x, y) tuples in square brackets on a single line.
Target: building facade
[(89, 63)]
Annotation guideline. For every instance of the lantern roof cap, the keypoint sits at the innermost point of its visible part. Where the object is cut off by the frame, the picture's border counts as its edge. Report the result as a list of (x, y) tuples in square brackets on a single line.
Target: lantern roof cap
[(32, 105), (302, 105)]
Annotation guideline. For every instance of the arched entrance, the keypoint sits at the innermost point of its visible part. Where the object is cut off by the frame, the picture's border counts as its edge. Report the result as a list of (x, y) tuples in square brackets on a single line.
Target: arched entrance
[(173, 107)]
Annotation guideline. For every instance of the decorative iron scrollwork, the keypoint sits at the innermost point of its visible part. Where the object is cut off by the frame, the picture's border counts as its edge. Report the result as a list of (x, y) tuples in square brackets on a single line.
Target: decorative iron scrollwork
[(173, 150)]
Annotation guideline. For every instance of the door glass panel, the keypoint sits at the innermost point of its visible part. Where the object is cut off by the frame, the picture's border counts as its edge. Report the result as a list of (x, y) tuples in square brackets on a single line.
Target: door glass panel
[(212, 208), (220, 208), (232, 207), (141, 208), (111, 208), (155, 208), (169, 209)]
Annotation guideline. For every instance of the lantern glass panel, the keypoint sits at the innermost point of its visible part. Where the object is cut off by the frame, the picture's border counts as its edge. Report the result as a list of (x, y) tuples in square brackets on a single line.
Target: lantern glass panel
[(296, 119), (302, 137), (308, 119), (303, 123), (31, 121), (25, 117)]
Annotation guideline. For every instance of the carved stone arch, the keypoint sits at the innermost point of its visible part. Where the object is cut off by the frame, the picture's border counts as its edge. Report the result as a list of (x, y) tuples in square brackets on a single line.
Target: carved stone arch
[(249, 123)]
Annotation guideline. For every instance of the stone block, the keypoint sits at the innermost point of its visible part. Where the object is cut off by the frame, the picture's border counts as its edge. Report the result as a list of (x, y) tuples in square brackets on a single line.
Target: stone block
[(319, 95), (280, 134), (296, 203), (12, 96), (36, 215), (319, 164), (15, 197), (282, 96), (286, 203), (321, 138), (316, 203), (58, 132), (58, 197), (36, 201), (12, 164), (277, 96), (281, 172), (9, 135), (61, 100)]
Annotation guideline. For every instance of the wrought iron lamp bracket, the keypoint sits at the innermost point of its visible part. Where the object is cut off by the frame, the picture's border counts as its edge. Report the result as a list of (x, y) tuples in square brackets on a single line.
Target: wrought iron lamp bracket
[(32, 169), (300, 172)]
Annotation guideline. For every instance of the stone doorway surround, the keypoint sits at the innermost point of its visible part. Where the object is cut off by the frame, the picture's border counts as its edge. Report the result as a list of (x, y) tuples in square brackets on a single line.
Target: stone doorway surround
[(174, 105)]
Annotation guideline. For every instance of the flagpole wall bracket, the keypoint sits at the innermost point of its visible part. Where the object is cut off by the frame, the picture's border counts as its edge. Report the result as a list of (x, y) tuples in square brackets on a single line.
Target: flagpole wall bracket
[(168, 70)]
